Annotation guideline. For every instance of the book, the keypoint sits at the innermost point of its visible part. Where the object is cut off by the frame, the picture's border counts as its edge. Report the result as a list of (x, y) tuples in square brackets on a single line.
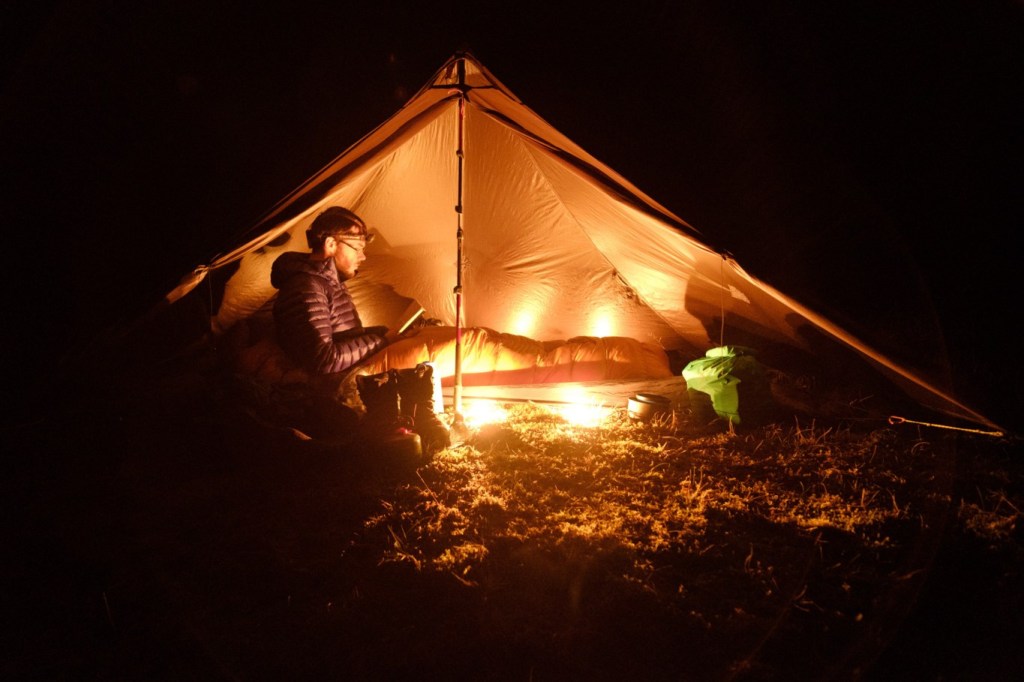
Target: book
[(412, 312)]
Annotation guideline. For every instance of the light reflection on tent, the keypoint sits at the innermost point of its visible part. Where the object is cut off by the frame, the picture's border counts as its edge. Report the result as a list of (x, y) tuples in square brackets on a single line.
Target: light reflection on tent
[(602, 323), (524, 322)]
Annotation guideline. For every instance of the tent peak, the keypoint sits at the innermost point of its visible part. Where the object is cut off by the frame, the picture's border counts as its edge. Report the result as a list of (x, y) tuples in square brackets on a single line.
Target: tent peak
[(464, 72)]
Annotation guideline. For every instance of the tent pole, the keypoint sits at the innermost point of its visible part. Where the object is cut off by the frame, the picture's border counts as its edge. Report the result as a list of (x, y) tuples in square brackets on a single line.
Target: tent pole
[(457, 398)]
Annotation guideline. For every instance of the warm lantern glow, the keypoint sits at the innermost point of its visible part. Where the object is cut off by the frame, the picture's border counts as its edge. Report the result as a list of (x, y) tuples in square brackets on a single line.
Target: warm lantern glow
[(581, 409), (578, 410), (477, 413), (583, 414), (524, 323), (602, 323)]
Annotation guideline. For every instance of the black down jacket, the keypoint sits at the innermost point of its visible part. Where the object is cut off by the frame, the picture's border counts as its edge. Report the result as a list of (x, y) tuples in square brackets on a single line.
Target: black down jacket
[(316, 319)]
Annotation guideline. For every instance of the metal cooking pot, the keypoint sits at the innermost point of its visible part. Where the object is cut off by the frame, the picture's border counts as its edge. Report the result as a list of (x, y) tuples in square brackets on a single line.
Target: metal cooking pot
[(647, 406)]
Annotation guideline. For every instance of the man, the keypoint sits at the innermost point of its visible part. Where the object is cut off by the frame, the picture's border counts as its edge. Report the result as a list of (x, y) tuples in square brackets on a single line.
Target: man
[(320, 330), (317, 322)]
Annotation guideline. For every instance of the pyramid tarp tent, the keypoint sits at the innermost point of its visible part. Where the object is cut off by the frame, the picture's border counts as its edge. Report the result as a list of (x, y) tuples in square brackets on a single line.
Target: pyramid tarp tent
[(555, 243)]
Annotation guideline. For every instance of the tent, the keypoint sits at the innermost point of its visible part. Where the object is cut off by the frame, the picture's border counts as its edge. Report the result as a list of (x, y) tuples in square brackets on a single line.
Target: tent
[(472, 193)]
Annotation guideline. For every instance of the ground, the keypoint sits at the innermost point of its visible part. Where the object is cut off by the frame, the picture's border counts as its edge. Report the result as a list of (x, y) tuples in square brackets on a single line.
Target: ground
[(159, 531)]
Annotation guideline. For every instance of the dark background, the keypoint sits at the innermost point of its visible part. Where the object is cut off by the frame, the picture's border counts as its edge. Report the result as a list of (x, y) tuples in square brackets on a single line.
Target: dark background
[(864, 158)]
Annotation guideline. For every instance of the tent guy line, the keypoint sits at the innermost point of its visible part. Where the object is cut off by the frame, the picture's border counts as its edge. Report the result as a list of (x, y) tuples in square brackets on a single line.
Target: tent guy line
[(894, 419)]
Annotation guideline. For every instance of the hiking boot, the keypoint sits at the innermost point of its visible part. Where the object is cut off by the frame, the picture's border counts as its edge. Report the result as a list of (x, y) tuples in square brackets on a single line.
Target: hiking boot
[(383, 425), (416, 400)]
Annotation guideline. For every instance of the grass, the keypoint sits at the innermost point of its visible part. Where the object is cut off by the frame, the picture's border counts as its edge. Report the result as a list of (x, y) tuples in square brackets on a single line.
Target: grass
[(743, 542), (200, 544)]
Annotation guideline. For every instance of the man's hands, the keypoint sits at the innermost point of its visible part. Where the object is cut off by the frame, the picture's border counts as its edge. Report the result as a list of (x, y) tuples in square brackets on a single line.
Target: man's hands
[(392, 335)]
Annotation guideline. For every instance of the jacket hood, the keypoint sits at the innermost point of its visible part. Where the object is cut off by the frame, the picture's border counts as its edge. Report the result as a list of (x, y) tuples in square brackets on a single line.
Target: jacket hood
[(293, 263)]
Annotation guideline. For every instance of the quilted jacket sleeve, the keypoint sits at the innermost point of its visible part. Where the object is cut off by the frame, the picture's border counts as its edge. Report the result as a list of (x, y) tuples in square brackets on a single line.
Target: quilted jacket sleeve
[(319, 329)]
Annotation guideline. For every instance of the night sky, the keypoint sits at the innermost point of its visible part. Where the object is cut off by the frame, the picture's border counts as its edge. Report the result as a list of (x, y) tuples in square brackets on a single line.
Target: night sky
[(864, 158)]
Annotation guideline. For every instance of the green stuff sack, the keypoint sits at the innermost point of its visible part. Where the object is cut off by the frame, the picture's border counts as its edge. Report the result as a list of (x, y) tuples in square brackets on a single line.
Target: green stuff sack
[(727, 383)]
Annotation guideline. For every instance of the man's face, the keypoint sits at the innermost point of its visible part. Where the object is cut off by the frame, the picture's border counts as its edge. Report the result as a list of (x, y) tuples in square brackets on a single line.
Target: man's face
[(347, 254)]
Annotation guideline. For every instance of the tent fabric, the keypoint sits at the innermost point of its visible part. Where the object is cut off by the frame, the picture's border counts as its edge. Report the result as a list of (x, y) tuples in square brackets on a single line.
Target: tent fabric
[(556, 244)]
